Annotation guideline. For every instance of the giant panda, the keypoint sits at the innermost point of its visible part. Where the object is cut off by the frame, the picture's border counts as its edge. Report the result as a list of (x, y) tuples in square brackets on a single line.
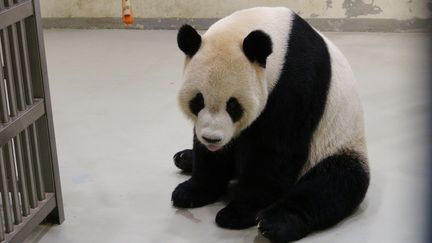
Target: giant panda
[(274, 105)]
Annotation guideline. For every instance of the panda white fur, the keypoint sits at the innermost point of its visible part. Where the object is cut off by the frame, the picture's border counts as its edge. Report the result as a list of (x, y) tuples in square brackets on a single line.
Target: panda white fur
[(273, 99)]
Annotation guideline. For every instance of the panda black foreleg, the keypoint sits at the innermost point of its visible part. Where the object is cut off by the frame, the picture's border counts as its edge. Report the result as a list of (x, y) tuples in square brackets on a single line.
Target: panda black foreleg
[(211, 173), (184, 160), (324, 196), (260, 182)]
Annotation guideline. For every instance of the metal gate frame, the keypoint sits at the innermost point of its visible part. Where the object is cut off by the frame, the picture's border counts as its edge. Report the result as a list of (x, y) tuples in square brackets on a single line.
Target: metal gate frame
[(29, 173)]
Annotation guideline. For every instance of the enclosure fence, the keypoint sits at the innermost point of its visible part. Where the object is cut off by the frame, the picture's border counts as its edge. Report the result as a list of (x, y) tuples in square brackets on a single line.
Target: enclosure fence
[(29, 179)]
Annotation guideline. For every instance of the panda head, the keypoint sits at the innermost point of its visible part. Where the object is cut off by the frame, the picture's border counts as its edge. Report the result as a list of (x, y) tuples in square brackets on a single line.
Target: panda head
[(224, 86)]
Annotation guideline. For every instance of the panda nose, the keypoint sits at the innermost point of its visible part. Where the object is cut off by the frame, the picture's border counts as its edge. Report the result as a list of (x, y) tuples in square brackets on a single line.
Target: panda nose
[(212, 140)]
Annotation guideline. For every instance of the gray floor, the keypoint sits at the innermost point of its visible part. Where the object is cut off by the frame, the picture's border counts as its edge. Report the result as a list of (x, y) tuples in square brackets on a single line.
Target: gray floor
[(118, 124)]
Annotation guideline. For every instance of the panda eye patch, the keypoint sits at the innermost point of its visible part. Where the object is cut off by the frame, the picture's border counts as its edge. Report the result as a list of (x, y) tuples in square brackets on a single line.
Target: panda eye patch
[(234, 109), (196, 104)]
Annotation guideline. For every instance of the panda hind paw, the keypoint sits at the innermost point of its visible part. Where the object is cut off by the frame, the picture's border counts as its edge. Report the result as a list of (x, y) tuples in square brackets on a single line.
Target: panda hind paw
[(279, 225), (236, 216)]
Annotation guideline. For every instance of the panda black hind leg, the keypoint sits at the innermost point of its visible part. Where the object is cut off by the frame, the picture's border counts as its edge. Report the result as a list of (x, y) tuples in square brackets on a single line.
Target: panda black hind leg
[(184, 160), (324, 196)]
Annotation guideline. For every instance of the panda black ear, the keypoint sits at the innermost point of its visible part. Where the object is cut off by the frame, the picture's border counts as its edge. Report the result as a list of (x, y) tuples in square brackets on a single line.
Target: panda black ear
[(188, 40), (257, 46)]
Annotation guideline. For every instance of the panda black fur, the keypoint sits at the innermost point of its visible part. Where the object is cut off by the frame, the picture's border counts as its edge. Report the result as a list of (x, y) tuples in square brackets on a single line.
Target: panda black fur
[(273, 98)]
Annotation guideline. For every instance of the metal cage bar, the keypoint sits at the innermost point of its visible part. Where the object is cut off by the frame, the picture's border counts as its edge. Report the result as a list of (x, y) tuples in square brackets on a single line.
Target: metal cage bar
[(28, 93), (45, 127), (21, 104), (8, 151), (13, 185), (7, 212), (4, 118), (29, 176)]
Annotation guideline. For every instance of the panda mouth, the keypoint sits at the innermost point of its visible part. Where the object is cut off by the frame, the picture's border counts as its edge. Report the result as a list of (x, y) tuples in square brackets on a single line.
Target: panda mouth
[(213, 148)]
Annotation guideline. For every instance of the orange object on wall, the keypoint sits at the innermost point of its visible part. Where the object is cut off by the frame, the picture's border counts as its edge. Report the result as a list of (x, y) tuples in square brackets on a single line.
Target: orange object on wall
[(127, 12)]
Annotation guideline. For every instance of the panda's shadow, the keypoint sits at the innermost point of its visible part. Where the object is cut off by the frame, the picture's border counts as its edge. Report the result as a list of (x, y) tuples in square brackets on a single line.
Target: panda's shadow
[(184, 173), (260, 239)]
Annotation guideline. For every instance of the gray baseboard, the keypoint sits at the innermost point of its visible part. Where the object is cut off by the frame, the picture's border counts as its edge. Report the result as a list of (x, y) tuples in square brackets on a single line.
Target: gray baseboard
[(346, 24)]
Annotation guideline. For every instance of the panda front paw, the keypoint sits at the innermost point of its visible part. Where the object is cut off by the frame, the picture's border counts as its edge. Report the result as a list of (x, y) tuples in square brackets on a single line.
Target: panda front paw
[(184, 160), (188, 195), (236, 216), (279, 225)]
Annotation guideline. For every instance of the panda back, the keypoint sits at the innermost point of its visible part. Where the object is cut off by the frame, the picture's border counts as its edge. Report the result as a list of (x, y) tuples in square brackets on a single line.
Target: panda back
[(341, 127)]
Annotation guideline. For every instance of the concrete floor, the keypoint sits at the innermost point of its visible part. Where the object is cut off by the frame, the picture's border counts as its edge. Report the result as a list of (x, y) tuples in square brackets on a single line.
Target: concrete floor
[(118, 124)]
